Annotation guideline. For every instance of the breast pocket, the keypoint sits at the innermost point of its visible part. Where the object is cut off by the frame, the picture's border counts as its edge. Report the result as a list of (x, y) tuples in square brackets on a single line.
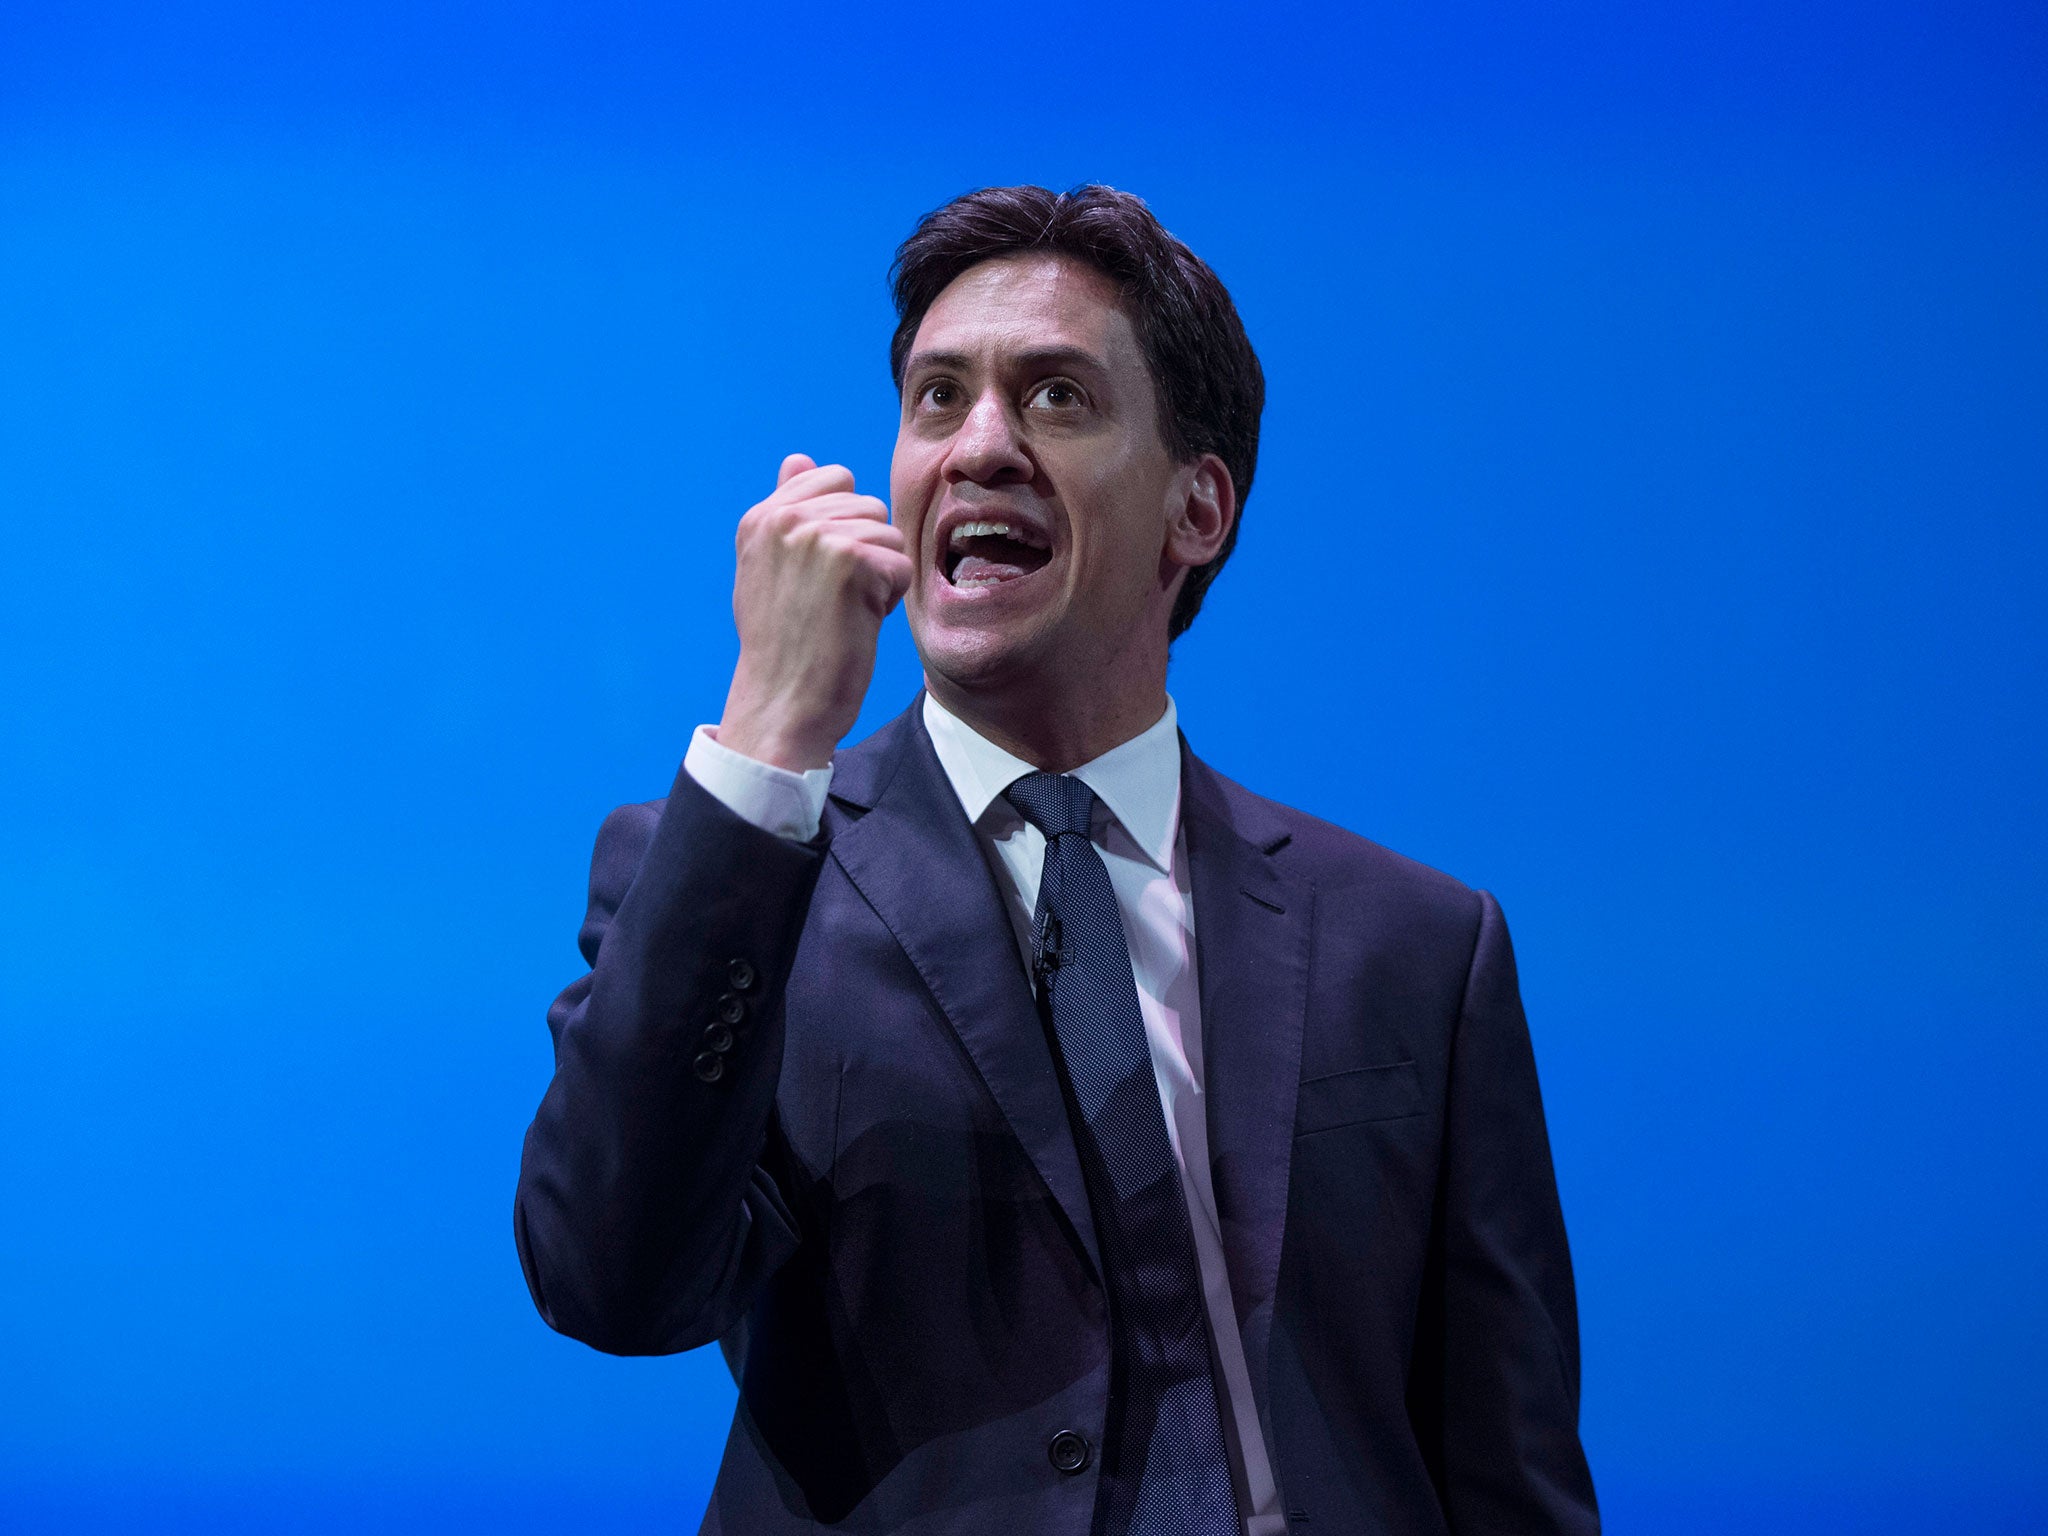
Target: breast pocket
[(1389, 1092)]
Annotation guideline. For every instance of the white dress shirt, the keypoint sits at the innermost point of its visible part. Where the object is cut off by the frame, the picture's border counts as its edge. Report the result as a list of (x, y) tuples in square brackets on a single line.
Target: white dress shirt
[(1137, 831)]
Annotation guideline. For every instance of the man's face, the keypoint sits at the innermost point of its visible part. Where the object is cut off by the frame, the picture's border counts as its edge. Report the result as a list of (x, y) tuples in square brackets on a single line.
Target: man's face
[(1030, 481)]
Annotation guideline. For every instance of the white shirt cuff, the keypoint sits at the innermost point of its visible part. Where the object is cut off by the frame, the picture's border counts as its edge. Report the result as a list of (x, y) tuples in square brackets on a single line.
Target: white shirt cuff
[(774, 799)]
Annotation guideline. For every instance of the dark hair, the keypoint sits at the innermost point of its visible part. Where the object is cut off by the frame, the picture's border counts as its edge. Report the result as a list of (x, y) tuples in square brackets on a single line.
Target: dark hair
[(1208, 380)]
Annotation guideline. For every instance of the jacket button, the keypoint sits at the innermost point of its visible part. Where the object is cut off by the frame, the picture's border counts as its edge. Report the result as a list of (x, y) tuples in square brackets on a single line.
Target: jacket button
[(741, 974), (718, 1038), (731, 1008), (1068, 1452), (709, 1066)]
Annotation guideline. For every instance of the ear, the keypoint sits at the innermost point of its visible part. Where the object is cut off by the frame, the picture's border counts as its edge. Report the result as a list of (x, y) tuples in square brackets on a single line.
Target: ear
[(1203, 515)]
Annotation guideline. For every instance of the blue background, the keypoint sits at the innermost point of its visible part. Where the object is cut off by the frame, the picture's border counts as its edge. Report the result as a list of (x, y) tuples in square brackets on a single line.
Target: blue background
[(1650, 527)]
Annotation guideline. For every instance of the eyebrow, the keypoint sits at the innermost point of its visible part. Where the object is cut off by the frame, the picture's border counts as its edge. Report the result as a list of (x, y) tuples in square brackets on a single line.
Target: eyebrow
[(1031, 357)]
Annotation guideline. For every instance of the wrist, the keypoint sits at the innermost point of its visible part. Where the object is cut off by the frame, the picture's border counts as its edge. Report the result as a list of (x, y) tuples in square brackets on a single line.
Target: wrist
[(794, 746)]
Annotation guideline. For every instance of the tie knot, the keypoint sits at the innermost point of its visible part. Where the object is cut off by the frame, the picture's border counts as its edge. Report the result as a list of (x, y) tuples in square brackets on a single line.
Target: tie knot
[(1055, 803)]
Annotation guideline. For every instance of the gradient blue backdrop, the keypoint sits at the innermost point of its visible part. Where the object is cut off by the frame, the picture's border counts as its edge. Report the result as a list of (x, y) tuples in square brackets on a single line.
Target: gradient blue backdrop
[(1650, 528)]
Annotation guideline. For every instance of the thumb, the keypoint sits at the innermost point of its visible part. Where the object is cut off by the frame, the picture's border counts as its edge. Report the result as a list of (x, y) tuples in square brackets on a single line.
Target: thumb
[(794, 464)]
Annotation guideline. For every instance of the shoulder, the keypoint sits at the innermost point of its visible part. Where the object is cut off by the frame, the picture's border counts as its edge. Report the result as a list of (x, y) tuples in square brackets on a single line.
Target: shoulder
[(622, 841), (628, 829), (1343, 867)]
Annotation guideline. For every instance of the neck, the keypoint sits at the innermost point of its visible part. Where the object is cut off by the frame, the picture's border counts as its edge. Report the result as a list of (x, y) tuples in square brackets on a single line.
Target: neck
[(1057, 728)]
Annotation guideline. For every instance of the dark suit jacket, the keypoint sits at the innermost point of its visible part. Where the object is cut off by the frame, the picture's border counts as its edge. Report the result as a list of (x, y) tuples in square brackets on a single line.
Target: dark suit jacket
[(877, 1211)]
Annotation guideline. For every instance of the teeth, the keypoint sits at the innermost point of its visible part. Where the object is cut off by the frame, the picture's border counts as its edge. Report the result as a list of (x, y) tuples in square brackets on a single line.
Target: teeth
[(985, 530), (964, 531)]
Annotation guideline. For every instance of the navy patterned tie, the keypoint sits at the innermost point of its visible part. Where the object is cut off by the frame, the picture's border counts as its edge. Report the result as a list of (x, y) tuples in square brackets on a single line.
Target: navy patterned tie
[(1164, 1469)]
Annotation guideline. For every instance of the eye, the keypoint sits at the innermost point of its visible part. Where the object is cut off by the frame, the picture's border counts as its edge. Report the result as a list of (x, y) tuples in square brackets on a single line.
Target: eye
[(939, 395), (1056, 395)]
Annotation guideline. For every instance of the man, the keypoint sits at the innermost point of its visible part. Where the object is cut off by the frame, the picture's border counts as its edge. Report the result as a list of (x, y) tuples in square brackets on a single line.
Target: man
[(1055, 1136)]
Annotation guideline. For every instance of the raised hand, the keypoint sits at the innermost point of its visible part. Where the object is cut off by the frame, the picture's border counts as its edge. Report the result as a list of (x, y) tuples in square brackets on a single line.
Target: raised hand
[(819, 567)]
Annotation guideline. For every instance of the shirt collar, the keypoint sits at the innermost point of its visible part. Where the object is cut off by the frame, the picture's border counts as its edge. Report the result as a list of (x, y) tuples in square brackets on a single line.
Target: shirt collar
[(1138, 782)]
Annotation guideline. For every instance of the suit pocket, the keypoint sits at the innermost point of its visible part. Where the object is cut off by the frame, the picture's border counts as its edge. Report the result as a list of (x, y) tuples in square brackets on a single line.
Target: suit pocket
[(1389, 1092)]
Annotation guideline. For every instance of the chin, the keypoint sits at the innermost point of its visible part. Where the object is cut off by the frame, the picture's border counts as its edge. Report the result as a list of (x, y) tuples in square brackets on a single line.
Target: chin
[(975, 658)]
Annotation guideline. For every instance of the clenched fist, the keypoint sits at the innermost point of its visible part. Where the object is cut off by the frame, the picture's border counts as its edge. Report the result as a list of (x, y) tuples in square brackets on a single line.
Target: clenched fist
[(819, 569)]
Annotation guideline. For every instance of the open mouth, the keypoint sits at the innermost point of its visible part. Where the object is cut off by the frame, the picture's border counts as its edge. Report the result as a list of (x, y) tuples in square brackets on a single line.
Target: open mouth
[(990, 551)]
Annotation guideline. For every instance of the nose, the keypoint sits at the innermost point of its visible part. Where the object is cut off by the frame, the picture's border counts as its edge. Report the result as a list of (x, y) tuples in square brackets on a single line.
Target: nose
[(987, 449)]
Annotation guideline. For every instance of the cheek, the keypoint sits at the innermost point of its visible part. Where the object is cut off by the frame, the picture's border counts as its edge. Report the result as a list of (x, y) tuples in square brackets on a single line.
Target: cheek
[(1129, 524), (909, 495), (914, 467), (899, 482)]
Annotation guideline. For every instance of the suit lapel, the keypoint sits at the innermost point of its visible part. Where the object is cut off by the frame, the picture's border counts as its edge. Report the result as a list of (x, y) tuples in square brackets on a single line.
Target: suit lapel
[(1252, 927), (916, 860)]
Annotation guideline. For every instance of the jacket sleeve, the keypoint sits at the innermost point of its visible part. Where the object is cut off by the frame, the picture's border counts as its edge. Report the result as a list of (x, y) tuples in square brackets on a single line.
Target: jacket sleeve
[(648, 1213), (1497, 1372)]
